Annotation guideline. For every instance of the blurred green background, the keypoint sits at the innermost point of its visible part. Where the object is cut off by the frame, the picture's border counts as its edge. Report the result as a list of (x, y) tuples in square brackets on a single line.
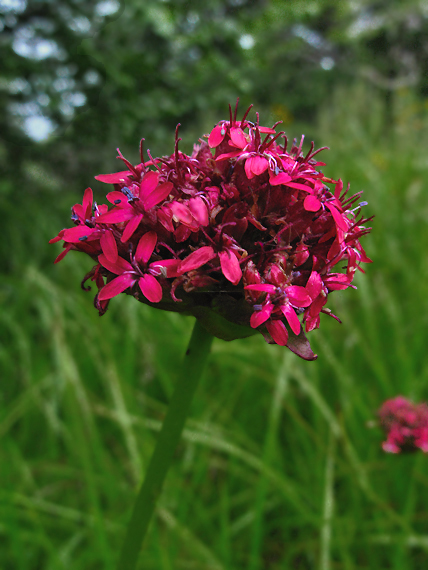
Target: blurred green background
[(281, 464)]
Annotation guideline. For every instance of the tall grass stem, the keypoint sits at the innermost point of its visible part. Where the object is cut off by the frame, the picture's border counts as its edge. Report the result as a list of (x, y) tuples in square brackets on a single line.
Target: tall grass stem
[(169, 436)]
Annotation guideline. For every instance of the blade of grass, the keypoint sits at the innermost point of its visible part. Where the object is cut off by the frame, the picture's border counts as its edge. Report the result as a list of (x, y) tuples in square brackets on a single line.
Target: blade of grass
[(328, 507), (267, 457)]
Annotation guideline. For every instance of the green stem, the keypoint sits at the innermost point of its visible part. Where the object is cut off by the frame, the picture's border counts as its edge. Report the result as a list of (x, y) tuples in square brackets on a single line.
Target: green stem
[(169, 436)]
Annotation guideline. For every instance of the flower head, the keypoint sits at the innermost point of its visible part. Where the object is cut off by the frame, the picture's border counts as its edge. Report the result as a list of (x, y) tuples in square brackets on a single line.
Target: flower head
[(405, 425), (244, 234)]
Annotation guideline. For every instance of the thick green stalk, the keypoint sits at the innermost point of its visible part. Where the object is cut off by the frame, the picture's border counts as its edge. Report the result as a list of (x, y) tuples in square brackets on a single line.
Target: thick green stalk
[(169, 436)]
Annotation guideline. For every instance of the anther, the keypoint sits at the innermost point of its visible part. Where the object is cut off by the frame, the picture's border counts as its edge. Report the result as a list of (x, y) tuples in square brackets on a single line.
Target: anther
[(128, 194)]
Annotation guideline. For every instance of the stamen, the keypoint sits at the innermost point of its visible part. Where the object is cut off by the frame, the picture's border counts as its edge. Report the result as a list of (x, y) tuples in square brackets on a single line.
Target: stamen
[(171, 251), (222, 229), (129, 194), (128, 164), (245, 115), (89, 275), (152, 159), (359, 206), (236, 110), (285, 143), (309, 152), (346, 191), (311, 156), (177, 157), (263, 147), (207, 236), (257, 138), (142, 154)]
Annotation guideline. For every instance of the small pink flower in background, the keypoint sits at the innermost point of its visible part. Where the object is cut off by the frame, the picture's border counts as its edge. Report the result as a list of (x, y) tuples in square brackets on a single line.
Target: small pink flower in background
[(245, 234), (405, 425)]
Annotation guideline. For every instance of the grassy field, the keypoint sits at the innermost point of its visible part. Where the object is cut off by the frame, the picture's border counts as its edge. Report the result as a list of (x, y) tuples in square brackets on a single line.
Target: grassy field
[(281, 464)]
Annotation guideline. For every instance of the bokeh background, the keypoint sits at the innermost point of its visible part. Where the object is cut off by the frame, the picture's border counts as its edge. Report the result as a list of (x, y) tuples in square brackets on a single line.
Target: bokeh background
[(281, 464)]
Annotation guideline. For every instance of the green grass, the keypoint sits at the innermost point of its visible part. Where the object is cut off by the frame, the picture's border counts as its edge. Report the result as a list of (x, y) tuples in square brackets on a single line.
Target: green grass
[(279, 467)]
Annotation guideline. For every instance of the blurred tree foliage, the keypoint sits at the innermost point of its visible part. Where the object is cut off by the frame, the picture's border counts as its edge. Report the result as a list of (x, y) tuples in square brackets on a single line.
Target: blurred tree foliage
[(99, 74), (104, 73)]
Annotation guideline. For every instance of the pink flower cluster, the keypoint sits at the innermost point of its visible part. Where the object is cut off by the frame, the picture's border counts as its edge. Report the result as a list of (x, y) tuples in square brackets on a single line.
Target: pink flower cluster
[(242, 232), (405, 425)]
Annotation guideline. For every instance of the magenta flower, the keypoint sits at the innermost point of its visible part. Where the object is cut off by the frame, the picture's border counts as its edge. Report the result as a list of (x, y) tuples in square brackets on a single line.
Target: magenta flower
[(405, 425), (137, 270), (243, 234)]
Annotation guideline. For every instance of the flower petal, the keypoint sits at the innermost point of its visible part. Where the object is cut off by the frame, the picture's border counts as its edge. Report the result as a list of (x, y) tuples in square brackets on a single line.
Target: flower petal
[(157, 195), (116, 286), (338, 188), (199, 210), (260, 317), (166, 267), (131, 226), (197, 259), (227, 155), (292, 319), (248, 168), (109, 246), (237, 137), (145, 247), (216, 136), (63, 252), (314, 285), (78, 211), (58, 237), (337, 281), (150, 288), (267, 130), (311, 204), (298, 296), (117, 198), (230, 266), (300, 186), (261, 287), (115, 177), (339, 218), (148, 184), (118, 267), (88, 198), (259, 164), (78, 233), (181, 212), (116, 215), (281, 178), (278, 332), (302, 254)]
